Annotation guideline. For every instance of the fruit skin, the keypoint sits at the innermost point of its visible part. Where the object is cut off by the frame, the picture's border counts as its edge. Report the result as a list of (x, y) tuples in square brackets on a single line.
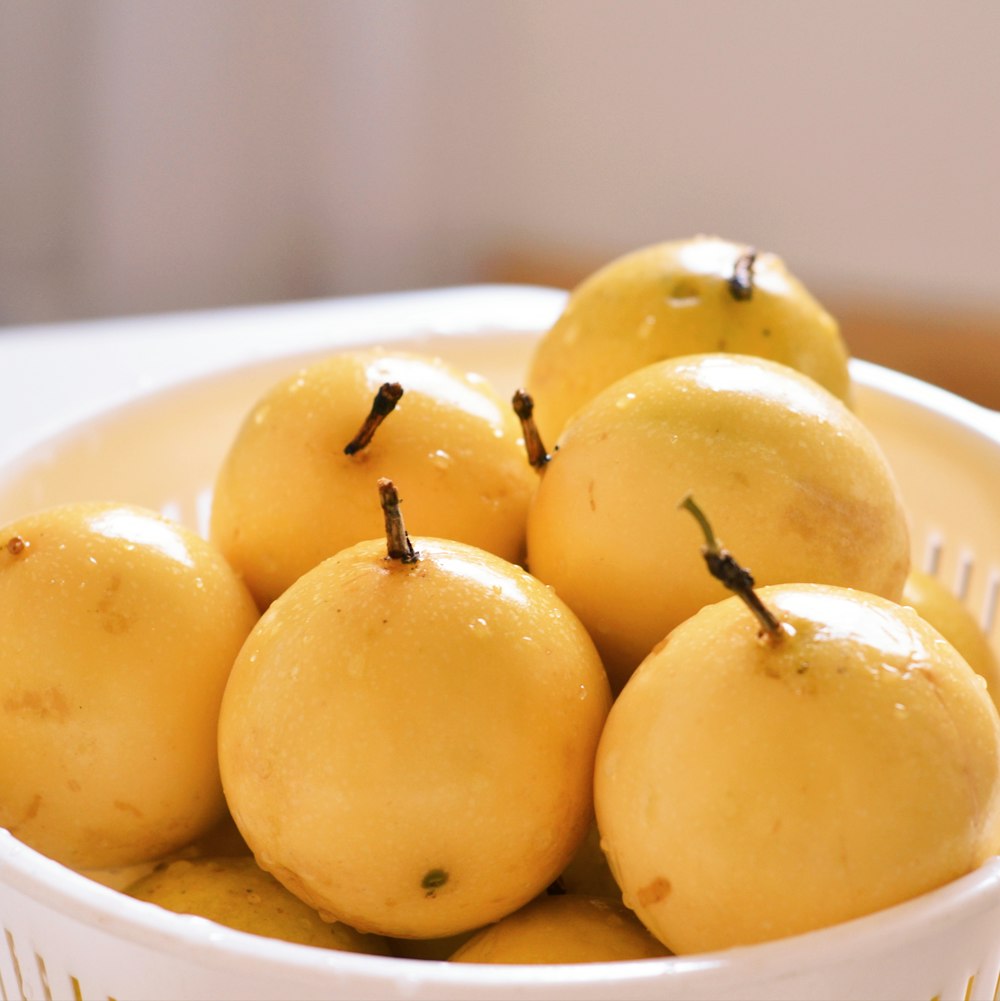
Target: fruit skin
[(117, 632), (287, 497), (747, 791), (800, 488), (943, 610), (409, 747), (237, 893), (672, 299), (571, 928)]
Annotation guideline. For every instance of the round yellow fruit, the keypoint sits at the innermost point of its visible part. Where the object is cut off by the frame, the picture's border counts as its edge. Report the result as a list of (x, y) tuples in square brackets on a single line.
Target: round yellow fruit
[(943, 610), (118, 629), (237, 893), (569, 928), (287, 495), (409, 746), (802, 489), (676, 298), (749, 788)]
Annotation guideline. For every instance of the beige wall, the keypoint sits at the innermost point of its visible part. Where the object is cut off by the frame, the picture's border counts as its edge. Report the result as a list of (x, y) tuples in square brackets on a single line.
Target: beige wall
[(165, 154)]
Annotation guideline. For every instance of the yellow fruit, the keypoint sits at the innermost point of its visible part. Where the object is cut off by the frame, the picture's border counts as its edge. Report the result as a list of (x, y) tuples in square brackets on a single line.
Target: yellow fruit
[(675, 298), (237, 893), (287, 495), (563, 929), (118, 629), (748, 788), (409, 746), (804, 490), (943, 610)]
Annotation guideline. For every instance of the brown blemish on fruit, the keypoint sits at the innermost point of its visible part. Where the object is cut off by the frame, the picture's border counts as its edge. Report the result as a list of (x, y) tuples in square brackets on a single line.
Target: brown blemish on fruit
[(654, 892), (113, 620), (854, 526), (16, 545), (131, 808), (33, 807), (48, 704), (590, 496)]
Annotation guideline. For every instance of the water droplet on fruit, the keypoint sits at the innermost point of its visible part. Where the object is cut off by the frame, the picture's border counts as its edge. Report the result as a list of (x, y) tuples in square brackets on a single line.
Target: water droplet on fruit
[(440, 459), (625, 401), (478, 625), (261, 413), (582, 693)]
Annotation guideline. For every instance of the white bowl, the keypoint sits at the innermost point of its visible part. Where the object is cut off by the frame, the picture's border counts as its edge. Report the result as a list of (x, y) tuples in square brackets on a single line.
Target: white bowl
[(181, 385)]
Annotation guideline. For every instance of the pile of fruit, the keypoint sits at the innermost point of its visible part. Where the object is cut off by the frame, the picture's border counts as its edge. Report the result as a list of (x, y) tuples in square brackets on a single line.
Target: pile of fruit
[(561, 721)]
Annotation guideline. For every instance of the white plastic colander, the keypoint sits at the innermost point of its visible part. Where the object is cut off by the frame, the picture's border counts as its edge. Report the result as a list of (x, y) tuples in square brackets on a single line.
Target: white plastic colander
[(180, 386)]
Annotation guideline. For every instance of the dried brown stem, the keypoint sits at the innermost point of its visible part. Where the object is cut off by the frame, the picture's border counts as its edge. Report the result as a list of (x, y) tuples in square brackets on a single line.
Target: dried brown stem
[(741, 282), (384, 403), (398, 543), (524, 407)]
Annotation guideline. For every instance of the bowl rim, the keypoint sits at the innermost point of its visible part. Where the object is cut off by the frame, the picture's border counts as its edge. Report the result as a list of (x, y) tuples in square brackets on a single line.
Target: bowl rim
[(81, 899)]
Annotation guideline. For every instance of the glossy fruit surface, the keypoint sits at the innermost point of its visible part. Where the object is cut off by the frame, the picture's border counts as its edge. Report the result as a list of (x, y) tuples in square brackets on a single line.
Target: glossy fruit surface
[(748, 790), (288, 496), (942, 609), (569, 928), (237, 893), (675, 298), (118, 629), (409, 746), (798, 486)]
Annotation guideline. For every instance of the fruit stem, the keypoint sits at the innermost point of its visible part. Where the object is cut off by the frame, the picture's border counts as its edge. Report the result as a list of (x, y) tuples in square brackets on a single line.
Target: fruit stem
[(397, 541), (741, 282), (524, 407), (723, 567), (384, 403)]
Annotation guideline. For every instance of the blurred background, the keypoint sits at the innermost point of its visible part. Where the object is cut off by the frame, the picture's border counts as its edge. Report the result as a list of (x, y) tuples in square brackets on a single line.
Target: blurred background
[(161, 155)]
